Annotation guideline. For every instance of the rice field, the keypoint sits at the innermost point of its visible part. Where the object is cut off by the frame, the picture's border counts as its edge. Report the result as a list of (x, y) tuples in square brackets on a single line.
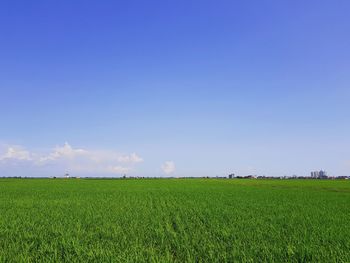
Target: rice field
[(174, 220)]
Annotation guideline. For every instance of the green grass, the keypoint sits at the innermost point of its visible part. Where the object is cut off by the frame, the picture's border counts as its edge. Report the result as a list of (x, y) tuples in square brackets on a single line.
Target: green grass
[(179, 220)]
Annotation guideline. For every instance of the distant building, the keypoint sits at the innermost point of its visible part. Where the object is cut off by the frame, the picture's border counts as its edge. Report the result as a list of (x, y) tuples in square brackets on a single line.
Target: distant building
[(322, 175), (314, 174), (319, 174), (230, 176)]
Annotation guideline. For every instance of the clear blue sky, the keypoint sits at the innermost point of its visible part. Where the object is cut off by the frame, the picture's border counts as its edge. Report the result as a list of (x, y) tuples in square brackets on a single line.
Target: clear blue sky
[(210, 87)]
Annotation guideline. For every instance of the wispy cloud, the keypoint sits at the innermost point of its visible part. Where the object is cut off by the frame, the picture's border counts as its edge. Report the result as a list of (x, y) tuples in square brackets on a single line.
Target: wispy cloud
[(65, 151), (16, 153), (168, 167), (132, 158)]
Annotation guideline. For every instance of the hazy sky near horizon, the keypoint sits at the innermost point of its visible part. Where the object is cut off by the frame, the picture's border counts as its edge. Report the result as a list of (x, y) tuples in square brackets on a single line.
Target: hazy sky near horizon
[(181, 88)]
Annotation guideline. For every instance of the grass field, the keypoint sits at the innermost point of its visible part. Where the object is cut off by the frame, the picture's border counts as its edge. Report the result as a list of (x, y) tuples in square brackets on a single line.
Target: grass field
[(182, 220)]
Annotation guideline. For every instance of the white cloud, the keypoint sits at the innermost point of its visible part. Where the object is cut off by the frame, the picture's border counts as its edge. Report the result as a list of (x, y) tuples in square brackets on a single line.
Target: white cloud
[(168, 167), (16, 153), (75, 160), (132, 158), (97, 156), (65, 151)]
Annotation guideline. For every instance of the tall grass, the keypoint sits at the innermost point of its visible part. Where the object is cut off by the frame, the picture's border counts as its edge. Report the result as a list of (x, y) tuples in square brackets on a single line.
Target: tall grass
[(192, 220)]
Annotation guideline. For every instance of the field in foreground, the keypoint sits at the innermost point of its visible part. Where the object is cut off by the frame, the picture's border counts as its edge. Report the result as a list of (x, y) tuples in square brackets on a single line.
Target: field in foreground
[(192, 220)]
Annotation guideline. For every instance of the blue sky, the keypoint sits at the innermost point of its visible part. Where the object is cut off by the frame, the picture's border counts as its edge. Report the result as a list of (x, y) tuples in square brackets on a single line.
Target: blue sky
[(181, 88)]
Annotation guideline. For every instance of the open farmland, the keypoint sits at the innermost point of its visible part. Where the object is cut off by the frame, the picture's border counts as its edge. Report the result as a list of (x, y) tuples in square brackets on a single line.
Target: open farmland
[(174, 220)]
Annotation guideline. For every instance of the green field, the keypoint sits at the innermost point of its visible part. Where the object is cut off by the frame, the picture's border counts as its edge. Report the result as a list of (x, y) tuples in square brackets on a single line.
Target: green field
[(174, 220)]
